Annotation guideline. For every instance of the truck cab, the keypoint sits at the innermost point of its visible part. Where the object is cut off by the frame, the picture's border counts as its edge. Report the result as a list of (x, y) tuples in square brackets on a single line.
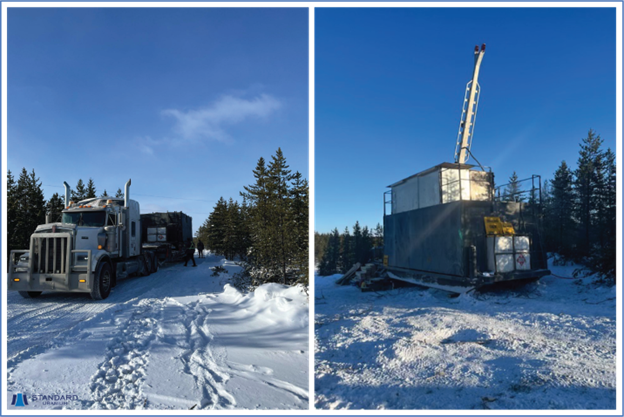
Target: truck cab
[(97, 241)]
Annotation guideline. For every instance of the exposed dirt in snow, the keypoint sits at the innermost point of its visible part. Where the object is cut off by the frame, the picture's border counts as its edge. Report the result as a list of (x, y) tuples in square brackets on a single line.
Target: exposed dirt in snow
[(547, 345), (178, 339)]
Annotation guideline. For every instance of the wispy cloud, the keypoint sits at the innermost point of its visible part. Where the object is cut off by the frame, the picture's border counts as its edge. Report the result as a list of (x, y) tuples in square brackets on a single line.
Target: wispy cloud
[(146, 144), (211, 122)]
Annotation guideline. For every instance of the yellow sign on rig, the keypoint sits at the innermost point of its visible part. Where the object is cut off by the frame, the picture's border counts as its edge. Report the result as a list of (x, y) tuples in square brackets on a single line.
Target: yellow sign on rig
[(494, 226)]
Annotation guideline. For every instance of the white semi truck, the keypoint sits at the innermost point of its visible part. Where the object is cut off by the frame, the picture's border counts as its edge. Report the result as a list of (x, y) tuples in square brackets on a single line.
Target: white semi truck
[(97, 242)]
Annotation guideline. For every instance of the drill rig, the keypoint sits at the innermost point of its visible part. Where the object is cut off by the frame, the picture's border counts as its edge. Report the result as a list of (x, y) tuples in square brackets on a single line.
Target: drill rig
[(444, 227)]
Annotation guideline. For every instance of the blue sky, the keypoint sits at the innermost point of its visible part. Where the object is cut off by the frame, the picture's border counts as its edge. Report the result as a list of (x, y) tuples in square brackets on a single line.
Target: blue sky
[(183, 101), (390, 84)]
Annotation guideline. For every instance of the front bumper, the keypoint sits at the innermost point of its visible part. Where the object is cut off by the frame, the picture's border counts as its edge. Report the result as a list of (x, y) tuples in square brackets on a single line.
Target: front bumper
[(51, 266)]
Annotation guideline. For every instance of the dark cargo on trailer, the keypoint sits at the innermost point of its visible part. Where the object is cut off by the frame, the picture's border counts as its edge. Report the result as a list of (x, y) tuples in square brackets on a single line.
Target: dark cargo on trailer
[(167, 233)]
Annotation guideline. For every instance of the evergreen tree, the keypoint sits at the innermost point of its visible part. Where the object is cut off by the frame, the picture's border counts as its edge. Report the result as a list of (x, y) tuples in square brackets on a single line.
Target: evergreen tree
[(560, 228), (245, 231), (367, 245), (105, 194), (347, 254), (378, 236), (259, 219), (27, 206), (233, 227), (269, 230), (589, 186), (320, 246), (119, 193), (90, 191), (299, 214), (283, 238), (55, 207), (329, 263), (513, 190), (13, 206), (358, 243), (80, 193), (217, 223), (603, 251), (202, 233)]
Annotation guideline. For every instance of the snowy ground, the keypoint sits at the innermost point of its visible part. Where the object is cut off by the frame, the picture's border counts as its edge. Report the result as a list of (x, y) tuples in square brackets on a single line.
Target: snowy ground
[(177, 339), (549, 345)]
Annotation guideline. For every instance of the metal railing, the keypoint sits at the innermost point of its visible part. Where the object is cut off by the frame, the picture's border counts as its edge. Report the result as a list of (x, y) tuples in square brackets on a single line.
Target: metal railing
[(534, 193)]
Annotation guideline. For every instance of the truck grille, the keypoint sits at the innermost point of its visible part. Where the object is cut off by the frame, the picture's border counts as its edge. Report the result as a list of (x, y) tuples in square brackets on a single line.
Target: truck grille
[(50, 254)]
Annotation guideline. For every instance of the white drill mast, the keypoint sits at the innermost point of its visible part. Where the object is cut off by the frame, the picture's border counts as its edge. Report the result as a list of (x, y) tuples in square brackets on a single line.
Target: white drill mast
[(469, 111)]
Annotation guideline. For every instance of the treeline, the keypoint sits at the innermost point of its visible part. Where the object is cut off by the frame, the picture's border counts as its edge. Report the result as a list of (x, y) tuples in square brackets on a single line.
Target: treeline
[(27, 207), (268, 230), (579, 209), (336, 253)]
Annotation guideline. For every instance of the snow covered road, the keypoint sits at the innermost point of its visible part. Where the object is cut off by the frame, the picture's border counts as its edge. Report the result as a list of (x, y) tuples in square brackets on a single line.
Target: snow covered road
[(548, 345), (177, 339)]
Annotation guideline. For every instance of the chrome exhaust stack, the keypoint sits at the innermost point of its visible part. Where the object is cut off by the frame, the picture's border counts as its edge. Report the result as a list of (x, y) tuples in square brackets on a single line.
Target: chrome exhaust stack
[(67, 193), (127, 192)]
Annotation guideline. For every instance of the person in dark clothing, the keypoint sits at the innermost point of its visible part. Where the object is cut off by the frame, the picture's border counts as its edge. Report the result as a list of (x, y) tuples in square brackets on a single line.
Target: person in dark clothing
[(200, 248), (190, 251)]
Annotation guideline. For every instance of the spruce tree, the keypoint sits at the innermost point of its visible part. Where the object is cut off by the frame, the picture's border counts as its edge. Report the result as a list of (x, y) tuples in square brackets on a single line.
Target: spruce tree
[(202, 233), (298, 218), (283, 238), (55, 207), (378, 236), (329, 263), (90, 191), (589, 185), (105, 194), (30, 208), (217, 224), (367, 245), (320, 246), (259, 216), (12, 214), (80, 193), (560, 212), (119, 193), (603, 252), (245, 231), (358, 243), (513, 189), (347, 255)]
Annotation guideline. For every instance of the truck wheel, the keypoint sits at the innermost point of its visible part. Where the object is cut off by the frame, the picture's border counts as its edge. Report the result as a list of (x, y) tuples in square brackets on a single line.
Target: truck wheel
[(102, 281), (30, 294), (147, 268)]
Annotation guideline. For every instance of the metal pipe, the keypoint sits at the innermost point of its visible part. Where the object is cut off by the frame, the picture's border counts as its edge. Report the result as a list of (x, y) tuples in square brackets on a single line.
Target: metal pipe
[(127, 192), (67, 190)]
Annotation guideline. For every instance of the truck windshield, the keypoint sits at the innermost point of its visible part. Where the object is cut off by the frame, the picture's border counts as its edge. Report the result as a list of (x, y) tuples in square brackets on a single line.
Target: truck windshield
[(86, 218)]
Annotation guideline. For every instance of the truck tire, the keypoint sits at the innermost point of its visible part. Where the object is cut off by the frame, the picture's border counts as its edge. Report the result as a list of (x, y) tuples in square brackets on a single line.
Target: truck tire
[(147, 267), (30, 294), (102, 281)]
